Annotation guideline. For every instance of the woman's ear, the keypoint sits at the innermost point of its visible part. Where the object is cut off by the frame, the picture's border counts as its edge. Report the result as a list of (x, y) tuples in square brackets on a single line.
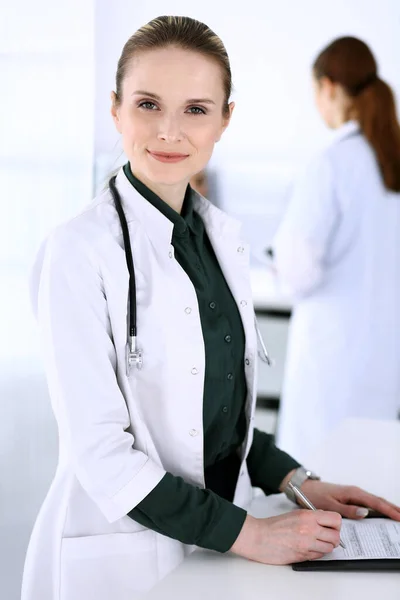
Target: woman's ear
[(226, 119), (329, 87), (115, 112)]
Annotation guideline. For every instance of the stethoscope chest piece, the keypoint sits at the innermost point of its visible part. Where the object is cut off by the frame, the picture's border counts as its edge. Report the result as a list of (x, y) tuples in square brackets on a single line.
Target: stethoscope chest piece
[(134, 358)]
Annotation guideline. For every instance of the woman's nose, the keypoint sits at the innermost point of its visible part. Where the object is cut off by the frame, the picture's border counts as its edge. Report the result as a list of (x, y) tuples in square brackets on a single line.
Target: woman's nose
[(170, 130)]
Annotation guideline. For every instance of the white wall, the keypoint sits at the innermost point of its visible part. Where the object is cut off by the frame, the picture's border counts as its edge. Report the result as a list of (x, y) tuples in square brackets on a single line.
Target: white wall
[(271, 45), (46, 160)]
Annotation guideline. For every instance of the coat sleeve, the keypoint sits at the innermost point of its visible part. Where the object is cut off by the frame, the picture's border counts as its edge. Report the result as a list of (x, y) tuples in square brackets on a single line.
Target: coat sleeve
[(267, 464), (301, 243), (80, 363), (190, 514)]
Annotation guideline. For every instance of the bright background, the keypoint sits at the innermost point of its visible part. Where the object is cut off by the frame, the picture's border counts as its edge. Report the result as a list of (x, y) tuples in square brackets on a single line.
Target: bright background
[(57, 144)]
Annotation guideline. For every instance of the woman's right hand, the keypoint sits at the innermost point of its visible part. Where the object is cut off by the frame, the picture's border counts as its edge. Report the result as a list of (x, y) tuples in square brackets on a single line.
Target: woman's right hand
[(292, 537)]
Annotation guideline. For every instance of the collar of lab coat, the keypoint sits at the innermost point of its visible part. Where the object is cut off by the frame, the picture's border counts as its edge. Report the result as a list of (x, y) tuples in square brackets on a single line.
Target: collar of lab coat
[(347, 129), (159, 228)]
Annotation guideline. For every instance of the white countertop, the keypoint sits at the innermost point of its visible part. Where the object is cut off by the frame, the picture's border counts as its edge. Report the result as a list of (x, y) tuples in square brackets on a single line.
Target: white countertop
[(361, 452), (266, 292)]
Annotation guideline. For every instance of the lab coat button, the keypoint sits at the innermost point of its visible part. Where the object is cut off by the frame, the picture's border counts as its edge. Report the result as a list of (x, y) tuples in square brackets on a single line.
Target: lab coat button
[(188, 310), (247, 362), (243, 303), (194, 371), (193, 432), (170, 254), (240, 249)]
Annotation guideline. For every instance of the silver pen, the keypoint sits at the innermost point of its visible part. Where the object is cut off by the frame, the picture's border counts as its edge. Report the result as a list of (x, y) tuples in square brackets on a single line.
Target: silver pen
[(307, 503)]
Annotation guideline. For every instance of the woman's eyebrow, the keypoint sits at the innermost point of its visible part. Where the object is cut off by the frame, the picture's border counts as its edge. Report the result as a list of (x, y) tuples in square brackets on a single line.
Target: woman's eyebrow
[(158, 98), (200, 101), (144, 93)]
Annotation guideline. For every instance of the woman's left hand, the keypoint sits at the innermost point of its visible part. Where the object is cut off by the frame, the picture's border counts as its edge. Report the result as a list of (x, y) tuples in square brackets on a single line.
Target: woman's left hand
[(348, 500)]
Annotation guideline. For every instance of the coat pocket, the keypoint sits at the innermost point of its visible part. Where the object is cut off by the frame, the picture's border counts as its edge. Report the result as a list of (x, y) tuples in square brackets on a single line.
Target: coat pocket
[(117, 565)]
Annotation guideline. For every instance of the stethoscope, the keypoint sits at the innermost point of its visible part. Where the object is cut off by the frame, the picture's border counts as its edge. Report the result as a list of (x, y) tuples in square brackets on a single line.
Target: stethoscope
[(134, 356)]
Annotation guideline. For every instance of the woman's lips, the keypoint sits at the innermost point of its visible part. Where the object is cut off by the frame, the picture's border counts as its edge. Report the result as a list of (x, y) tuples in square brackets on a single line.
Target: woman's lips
[(168, 157)]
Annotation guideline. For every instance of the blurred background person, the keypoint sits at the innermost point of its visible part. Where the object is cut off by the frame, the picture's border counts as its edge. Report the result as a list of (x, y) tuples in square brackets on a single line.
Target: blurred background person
[(206, 183), (337, 252), (199, 183)]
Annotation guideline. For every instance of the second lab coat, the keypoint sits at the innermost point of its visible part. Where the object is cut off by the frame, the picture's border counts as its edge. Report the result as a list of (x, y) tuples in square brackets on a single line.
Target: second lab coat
[(337, 252)]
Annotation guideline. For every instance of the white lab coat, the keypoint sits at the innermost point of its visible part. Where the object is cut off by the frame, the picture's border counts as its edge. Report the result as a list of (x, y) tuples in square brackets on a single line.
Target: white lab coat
[(338, 252), (118, 436)]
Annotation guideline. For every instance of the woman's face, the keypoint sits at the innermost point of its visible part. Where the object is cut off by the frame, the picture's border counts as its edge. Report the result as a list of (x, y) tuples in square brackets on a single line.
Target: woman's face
[(322, 99), (330, 101), (170, 115)]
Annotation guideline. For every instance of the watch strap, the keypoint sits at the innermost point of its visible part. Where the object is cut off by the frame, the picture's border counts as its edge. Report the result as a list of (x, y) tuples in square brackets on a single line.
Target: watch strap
[(298, 478)]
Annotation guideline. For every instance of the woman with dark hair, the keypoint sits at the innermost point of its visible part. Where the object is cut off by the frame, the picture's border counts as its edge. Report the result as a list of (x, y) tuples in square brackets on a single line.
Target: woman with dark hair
[(337, 251)]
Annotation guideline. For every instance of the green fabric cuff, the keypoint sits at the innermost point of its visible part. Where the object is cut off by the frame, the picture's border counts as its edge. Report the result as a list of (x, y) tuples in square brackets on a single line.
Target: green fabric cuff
[(190, 514), (222, 534)]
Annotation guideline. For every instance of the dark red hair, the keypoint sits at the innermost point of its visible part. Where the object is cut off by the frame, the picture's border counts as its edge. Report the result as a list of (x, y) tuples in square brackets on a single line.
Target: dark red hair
[(349, 62)]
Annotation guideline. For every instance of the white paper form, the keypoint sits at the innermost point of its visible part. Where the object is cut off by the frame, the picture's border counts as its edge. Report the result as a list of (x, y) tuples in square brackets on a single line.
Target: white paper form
[(370, 538)]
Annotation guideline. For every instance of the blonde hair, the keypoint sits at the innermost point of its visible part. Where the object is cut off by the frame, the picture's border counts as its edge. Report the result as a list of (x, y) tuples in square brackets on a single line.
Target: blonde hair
[(181, 32)]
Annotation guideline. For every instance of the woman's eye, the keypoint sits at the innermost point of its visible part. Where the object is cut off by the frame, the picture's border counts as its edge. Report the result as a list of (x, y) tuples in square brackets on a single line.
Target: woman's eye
[(196, 110), (147, 105)]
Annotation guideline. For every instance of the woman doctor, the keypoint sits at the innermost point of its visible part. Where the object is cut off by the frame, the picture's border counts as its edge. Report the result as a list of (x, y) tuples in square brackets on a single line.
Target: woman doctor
[(159, 459), (337, 251)]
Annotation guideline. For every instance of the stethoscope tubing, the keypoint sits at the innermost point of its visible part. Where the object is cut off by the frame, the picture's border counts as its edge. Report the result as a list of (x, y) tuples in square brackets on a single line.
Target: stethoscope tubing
[(133, 354)]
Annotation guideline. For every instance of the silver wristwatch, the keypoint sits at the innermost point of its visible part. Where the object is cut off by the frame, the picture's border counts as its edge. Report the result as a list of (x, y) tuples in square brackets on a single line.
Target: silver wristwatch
[(298, 478)]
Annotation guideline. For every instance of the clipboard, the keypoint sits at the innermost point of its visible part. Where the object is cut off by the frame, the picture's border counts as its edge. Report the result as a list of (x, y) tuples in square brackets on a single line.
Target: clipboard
[(355, 565), (371, 545)]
